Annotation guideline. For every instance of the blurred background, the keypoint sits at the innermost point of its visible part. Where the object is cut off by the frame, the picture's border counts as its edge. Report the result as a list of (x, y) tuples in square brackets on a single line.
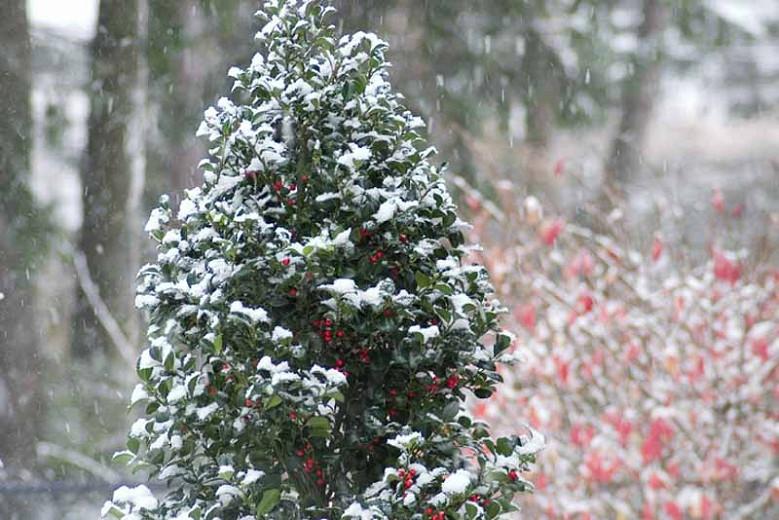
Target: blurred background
[(647, 121)]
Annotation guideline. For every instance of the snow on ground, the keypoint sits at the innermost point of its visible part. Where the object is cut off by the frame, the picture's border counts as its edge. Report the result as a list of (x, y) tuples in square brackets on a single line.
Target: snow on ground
[(75, 18)]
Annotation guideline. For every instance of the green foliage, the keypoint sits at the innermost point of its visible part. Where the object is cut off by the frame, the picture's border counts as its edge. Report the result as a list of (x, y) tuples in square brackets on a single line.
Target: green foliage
[(313, 328)]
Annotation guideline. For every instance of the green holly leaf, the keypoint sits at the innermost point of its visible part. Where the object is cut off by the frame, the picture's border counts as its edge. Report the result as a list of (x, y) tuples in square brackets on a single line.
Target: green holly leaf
[(270, 499)]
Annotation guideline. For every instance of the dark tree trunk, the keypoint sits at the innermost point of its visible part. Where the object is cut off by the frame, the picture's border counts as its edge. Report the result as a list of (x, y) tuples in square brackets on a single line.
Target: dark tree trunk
[(638, 96), (111, 174), (188, 40), (541, 73), (21, 398), (176, 95)]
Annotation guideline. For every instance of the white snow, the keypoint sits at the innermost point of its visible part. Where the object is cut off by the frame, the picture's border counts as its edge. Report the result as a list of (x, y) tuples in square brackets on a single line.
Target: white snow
[(186, 208), (428, 333), (457, 483), (252, 476), (342, 238), (386, 211), (75, 18), (390, 208), (403, 441), (280, 334), (138, 429), (341, 286), (531, 445), (334, 377), (356, 511), (226, 493), (358, 154), (204, 411), (254, 314), (139, 496), (327, 196), (156, 219), (141, 301), (267, 364), (459, 301), (177, 393), (373, 296), (139, 394), (147, 361)]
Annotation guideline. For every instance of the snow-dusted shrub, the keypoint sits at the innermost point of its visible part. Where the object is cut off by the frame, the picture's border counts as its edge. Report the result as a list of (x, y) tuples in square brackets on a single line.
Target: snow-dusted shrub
[(656, 383), (313, 328)]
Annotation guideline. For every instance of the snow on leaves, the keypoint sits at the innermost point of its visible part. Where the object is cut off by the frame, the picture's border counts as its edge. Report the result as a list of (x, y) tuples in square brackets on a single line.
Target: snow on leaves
[(308, 307)]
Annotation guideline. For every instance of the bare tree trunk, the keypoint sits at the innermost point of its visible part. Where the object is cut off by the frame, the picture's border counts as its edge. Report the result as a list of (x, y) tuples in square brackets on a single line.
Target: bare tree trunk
[(179, 69), (638, 96), (541, 76), (112, 175), (21, 398)]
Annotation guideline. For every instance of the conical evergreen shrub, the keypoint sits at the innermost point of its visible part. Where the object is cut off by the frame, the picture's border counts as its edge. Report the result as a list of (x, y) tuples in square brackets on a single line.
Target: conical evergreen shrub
[(313, 329)]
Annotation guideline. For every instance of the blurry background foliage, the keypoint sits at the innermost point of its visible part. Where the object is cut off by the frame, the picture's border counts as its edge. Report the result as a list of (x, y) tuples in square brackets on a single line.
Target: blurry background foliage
[(641, 105)]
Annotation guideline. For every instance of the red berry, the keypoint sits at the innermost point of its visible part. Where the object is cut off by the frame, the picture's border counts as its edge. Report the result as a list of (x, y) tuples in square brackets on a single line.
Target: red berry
[(340, 333), (512, 475), (452, 381), (278, 185), (403, 238), (320, 482), (388, 313), (339, 363), (293, 415), (293, 187), (300, 453), (285, 262), (328, 323), (293, 292), (248, 403)]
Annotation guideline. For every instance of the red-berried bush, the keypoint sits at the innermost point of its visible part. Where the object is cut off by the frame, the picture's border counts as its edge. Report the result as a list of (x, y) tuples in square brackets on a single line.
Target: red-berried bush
[(655, 381)]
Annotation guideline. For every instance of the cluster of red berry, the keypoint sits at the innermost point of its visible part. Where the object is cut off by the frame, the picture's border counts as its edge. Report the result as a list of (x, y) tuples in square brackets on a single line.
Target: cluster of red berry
[(376, 257), (310, 465), (325, 327), (408, 478), (278, 187), (478, 499), (435, 515)]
